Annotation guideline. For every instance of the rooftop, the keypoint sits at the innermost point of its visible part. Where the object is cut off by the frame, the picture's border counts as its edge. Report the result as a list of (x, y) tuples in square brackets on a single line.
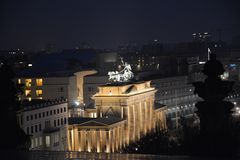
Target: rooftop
[(39, 103), (123, 83)]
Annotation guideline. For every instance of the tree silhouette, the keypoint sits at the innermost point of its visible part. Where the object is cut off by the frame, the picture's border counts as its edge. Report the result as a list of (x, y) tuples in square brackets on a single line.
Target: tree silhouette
[(13, 137)]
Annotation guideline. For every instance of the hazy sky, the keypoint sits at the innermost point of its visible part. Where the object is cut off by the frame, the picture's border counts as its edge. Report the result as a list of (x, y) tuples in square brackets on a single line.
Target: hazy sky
[(31, 24)]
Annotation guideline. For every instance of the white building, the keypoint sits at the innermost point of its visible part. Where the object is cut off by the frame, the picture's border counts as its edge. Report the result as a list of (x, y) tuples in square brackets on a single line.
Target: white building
[(46, 123), (178, 94), (59, 85)]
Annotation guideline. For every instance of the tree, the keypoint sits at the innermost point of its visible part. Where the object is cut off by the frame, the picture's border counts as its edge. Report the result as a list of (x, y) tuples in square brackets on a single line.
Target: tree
[(13, 137)]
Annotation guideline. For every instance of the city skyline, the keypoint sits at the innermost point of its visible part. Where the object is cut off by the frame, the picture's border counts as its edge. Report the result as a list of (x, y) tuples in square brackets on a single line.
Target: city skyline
[(106, 24)]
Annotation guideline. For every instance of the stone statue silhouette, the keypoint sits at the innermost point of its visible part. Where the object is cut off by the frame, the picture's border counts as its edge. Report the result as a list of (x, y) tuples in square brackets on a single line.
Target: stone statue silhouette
[(214, 111)]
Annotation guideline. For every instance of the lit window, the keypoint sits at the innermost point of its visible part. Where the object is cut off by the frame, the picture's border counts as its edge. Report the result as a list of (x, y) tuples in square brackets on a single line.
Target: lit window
[(47, 141), (40, 141), (38, 92), (56, 138), (39, 82), (36, 142), (32, 143), (28, 82), (28, 92), (19, 81)]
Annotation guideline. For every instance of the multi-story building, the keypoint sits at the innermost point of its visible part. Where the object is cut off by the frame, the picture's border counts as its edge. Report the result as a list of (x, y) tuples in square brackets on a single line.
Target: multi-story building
[(90, 87), (46, 123), (125, 112), (178, 94), (59, 85)]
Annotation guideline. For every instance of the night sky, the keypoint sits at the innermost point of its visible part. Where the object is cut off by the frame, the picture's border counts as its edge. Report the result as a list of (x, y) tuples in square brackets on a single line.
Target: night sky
[(108, 23)]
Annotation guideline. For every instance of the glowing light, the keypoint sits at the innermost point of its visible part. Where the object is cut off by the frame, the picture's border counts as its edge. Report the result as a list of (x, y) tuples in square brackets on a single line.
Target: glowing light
[(124, 75), (202, 62), (209, 52), (29, 65), (77, 103)]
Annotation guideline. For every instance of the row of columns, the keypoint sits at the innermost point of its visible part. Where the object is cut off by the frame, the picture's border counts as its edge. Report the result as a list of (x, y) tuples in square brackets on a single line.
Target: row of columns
[(94, 140), (140, 119)]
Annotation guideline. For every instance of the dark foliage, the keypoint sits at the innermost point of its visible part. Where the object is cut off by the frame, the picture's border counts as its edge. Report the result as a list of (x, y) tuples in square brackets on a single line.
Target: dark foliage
[(166, 142), (13, 137)]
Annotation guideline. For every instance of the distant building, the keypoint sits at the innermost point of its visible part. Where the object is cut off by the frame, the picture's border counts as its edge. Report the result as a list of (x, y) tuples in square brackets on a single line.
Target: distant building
[(178, 95), (90, 86), (46, 123), (201, 37)]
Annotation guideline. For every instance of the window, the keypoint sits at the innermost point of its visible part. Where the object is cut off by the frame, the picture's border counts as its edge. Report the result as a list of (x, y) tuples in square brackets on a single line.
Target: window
[(36, 128), (55, 123), (19, 81), (39, 115), (58, 111), (40, 141), (90, 89), (47, 113), (58, 122), (65, 120), (27, 118), (28, 92), (36, 142), (51, 112), (47, 141), (35, 116), (38, 92), (54, 111), (56, 138), (31, 129), (32, 143), (43, 114), (40, 127), (61, 110), (64, 109), (28, 82), (61, 89), (61, 121), (27, 130), (31, 117), (47, 124), (39, 81)]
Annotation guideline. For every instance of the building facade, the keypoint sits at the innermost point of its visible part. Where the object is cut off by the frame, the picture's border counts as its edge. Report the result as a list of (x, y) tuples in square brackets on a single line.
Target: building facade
[(46, 123), (178, 95), (59, 85), (125, 112), (50, 88)]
